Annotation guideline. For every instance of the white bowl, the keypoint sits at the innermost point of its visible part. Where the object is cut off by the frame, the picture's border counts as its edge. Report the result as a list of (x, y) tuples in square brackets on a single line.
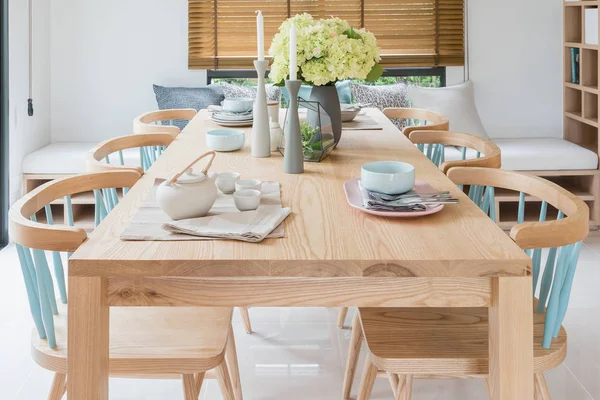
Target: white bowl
[(226, 181), (225, 139), (243, 184), (389, 177), (238, 104), (247, 199), (349, 115)]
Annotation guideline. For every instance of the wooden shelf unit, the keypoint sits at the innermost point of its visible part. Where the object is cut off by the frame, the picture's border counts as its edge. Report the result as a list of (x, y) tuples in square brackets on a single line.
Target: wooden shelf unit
[(580, 115), (83, 203)]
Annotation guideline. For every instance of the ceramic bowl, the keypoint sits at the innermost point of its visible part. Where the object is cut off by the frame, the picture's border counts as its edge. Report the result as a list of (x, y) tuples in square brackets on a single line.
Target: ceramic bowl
[(349, 115), (246, 199), (225, 139), (254, 184), (226, 181), (389, 177), (238, 104)]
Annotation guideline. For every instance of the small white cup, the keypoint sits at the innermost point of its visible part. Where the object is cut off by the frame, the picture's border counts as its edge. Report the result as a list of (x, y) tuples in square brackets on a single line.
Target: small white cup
[(226, 181), (242, 184), (246, 199)]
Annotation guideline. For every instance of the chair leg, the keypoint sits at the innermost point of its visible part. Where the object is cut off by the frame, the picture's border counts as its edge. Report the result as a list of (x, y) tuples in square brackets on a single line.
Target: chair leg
[(232, 363), (189, 387), (356, 339), (225, 381), (199, 380), (394, 381), (57, 391), (408, 387), (342, 317), (541, 389), (246, 318), (368, 379)]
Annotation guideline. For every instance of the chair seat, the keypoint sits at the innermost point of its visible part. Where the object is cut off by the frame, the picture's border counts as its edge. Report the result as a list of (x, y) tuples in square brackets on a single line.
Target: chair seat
[(536, 154), (150, 340), (68, 158), (443, 341)]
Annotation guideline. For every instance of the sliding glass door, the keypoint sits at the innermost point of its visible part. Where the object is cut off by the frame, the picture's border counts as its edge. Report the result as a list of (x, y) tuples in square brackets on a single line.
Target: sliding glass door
[(4, 123)]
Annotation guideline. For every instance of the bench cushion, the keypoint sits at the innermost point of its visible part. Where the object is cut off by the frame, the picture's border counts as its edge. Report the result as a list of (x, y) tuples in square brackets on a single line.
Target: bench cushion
[(68, 158), (537, 154)]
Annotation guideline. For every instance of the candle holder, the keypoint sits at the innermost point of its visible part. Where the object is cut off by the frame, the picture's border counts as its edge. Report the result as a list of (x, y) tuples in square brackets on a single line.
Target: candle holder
[(261, 136), (293, 159)]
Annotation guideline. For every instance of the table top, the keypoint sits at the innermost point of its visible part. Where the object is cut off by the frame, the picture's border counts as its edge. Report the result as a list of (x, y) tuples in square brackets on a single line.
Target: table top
[(324, 236)]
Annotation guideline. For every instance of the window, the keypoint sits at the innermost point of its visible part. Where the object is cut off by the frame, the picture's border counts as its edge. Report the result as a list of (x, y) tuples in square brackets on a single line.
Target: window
[(3, 123), (428, 77), (411, 33)]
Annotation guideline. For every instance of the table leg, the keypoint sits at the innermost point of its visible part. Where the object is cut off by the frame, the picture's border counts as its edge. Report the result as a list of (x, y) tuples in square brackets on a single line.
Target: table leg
[(511, 339), (87, 376)]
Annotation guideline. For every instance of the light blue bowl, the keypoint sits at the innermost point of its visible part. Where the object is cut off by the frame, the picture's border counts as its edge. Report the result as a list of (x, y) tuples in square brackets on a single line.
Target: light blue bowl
[(389, 177), (225, 139), (238, 104)]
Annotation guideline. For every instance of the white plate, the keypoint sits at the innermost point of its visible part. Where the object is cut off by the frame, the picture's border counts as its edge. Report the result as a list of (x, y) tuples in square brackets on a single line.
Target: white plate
[(233, 123), (228, 117)]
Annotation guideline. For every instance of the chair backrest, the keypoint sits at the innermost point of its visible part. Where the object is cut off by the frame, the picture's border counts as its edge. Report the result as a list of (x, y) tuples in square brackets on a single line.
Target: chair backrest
[(33, 238), (416, 118), (150, 145), (563, 236), (163, 121), (432, 143)]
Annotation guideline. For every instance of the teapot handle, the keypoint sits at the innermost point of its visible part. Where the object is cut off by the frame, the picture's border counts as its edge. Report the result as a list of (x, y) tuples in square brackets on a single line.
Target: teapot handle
[(204, 171)]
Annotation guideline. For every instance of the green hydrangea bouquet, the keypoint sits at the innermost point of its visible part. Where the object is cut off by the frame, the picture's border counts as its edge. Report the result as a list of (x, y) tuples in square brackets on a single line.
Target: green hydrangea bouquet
[(329, 50)]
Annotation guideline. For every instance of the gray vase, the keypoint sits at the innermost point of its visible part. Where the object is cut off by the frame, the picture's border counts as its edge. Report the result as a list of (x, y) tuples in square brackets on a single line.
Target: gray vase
[(328, 97)]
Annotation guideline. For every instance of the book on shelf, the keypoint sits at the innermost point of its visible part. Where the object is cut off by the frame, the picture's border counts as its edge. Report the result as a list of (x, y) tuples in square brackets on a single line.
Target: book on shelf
[(574, 65)]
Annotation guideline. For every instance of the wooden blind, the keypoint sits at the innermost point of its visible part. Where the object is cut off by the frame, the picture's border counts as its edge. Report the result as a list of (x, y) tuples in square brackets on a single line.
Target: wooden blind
[(410, 33)]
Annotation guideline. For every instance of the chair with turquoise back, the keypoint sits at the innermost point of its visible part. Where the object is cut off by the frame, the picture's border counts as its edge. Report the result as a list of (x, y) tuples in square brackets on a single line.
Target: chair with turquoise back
[(409, 343), (417, 118), (187, 343), (163, 121)]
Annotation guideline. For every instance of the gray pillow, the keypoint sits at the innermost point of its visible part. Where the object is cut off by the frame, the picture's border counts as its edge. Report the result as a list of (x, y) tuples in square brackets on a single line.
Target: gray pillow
[(382, 97), (187, 97), (232, 91)]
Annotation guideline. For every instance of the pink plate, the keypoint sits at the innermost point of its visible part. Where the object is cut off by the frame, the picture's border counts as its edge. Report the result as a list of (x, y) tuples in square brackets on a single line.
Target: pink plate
[(355, 200)]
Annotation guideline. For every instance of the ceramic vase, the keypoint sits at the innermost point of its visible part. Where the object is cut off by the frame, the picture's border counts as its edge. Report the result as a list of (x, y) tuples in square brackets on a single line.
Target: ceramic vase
[(328, 98)]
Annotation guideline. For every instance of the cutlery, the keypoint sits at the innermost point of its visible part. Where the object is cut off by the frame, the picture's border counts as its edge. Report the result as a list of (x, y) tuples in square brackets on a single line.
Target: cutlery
[(387, 197)]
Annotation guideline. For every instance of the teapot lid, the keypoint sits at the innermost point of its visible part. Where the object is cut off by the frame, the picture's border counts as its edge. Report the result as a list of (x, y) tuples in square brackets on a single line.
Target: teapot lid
[(190, 176)]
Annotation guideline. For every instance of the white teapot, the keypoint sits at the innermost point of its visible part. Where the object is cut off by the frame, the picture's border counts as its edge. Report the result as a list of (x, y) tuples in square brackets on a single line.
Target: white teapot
[(188, 194)]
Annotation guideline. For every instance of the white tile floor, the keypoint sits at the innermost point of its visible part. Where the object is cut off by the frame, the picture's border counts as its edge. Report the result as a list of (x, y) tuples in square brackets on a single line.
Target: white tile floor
[(299, 353)]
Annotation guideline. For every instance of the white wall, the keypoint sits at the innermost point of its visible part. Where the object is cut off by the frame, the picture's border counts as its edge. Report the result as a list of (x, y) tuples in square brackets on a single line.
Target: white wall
[(516, 65), (107, 54), (26, 133), (105, 57)]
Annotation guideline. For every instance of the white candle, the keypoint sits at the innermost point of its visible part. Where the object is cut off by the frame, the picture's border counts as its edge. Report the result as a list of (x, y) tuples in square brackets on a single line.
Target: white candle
[(260, 35), (293, 57)]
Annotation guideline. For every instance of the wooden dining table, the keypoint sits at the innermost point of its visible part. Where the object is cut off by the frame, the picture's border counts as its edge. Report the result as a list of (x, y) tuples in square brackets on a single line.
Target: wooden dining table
[(332, 255)]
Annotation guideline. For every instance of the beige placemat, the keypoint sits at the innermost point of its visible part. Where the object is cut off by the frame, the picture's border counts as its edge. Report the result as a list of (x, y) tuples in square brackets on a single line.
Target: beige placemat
[(361, 122), (147, 222)]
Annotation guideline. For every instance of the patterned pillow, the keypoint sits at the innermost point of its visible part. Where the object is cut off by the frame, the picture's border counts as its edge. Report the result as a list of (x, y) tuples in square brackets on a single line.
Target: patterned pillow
[(382, 97), (187, 97), (232, 91)]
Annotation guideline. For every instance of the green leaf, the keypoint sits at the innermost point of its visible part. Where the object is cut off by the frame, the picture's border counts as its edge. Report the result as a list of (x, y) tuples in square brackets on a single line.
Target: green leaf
[(375, 73), (352, 34)]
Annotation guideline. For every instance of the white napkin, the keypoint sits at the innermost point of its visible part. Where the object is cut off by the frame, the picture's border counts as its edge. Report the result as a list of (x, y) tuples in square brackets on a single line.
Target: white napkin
[(247, 226)]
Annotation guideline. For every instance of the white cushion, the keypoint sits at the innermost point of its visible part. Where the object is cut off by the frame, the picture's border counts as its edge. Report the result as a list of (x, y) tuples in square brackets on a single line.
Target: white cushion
[(69, 158), (536, 154), (544, 154), (457, 103)]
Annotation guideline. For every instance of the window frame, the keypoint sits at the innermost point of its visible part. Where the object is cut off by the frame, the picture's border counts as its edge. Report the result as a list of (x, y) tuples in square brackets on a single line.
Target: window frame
[(4, 174), (249, 73)]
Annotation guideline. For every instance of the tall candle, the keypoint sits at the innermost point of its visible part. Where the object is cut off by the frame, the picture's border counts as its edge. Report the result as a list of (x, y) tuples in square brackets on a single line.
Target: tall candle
[(293, 57), (260, 35)]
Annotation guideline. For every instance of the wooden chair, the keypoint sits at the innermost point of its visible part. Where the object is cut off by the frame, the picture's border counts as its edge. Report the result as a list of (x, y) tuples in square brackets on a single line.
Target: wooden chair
[(416, 118), (150, 145), (145, 342), (163, 121), (408, 343), (432, 144)]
